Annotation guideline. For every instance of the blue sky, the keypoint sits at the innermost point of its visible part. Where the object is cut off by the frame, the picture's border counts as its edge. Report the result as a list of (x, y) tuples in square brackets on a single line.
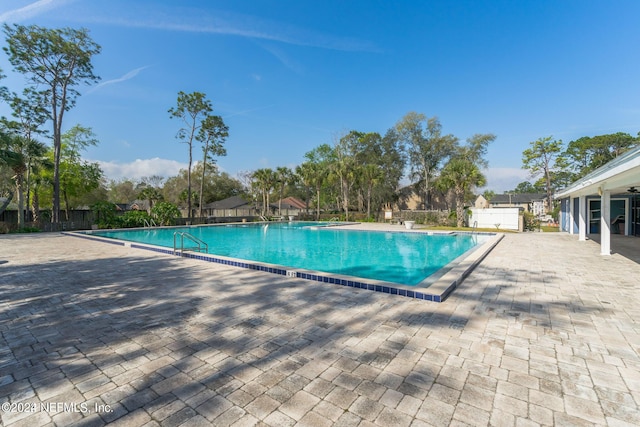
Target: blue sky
[(288, 76)]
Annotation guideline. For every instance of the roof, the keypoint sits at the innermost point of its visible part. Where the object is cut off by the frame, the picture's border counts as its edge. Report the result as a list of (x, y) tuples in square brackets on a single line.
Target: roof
[(139, 204), (232, 202), (615, 176), (517, 198), (292, 203)]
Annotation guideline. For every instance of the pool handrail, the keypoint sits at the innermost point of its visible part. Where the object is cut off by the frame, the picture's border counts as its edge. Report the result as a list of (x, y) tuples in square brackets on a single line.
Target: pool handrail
[(191, 237), (150, 223)]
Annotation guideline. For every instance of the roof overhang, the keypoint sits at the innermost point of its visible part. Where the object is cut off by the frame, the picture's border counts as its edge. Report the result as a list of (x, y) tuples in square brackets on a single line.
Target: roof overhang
[(616, 176)]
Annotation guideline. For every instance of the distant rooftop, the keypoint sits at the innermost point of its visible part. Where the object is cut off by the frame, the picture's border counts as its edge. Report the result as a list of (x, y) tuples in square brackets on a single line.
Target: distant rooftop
[(518, 198)]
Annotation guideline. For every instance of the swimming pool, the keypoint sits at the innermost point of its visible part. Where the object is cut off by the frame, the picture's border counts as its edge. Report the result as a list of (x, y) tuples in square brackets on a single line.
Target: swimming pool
[(403, 258)]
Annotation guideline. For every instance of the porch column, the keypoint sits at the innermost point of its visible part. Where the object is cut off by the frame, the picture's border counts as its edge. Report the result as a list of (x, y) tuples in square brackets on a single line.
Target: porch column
[(572, 215), (582, 222), (605, 223)]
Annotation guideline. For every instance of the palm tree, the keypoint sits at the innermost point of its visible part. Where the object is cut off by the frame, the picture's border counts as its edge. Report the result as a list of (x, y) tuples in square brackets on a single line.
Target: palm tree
[(461, 175), (18, 153), (265, 180), (371, 174), (151, 194), (283, 177), (315, 174)]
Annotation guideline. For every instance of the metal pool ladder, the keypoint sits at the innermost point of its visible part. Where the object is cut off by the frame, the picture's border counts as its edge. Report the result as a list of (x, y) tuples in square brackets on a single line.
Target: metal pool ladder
[(150, 223), (199, 244)]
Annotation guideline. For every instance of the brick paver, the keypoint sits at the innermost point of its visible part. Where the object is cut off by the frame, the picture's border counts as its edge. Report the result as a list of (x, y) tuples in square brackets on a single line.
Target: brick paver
[(545, 331)]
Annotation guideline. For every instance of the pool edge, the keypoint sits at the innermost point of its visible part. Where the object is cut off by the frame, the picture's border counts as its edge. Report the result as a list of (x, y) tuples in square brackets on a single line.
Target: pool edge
[(438, 291)]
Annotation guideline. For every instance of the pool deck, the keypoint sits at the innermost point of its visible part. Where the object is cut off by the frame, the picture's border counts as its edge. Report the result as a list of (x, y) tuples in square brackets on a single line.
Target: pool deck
[(544, 331)]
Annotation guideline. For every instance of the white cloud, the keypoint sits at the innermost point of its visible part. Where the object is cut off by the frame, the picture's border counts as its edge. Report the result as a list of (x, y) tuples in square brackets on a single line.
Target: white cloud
[(141, 167), (241, 25), (284, 59), (31, 10), (504, 179), (131, 74)]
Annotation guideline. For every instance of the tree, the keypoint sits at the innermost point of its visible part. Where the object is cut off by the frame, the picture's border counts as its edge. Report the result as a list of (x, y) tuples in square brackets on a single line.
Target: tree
[(476, 148), (192, 109), (391, 161), (540, 159), (151, 194), (525, 187), (589, 153), (427, 147), (378, 168), (40, 175), (284, 176), (122, 191), (462, 172), (77, 176), (371, 175), (488, 195), (220, 185), (316, 170), (345, 165), (55, 61), (17, 153), (213, 133), (166, 213), (265, 180), (30, 115), (461, 175)]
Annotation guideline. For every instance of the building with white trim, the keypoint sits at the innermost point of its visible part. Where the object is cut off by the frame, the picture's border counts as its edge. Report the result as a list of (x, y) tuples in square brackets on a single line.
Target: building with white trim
[(605, 201)]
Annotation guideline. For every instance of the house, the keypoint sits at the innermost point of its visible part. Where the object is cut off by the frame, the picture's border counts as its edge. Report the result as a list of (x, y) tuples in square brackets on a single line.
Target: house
[(535, 203), (606, 200), (234, 206), (409, 198), (139, 205), (291, 203), (291, 206), (481, 202)]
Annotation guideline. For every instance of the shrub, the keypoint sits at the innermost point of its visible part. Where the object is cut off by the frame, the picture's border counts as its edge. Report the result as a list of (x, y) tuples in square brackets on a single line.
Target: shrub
[(165, 213), (27, 230), (531, 223), (134, 219), (105, 214)]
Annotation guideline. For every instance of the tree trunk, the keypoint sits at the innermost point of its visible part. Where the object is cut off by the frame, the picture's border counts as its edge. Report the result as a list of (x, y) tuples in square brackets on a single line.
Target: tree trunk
[(20, 193), (460, 208), (204, 167), (190, 214), (35, 206), (345, 199), (66, 204), (549, 196), (55, 212), (28, 192)]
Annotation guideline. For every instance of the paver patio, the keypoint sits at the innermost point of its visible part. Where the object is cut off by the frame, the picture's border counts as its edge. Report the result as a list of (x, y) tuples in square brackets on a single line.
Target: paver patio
[(544, 332)]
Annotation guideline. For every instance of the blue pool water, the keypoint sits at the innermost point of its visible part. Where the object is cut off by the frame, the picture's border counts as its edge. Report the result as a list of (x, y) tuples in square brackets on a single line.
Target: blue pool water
[(398, 257)]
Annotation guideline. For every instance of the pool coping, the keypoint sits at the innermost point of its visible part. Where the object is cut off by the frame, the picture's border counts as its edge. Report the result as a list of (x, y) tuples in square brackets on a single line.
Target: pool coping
[(437, 287)]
